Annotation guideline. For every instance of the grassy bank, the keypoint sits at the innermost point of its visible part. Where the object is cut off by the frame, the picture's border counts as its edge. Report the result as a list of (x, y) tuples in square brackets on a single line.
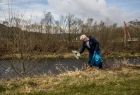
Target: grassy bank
[(67, 55), (124, 81)]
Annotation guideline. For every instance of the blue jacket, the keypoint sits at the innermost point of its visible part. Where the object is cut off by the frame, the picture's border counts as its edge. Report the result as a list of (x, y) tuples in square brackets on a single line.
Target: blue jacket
[(94, 46)]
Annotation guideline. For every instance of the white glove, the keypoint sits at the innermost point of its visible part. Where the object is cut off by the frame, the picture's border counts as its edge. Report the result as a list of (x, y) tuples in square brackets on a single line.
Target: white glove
[(76, 54)]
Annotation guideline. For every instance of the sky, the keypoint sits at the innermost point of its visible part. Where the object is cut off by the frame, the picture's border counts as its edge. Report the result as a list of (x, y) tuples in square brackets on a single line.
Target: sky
[(109, 11)]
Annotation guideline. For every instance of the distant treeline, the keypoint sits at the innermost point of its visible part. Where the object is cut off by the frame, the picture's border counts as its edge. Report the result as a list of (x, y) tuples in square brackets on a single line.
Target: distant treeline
[(60, 39)]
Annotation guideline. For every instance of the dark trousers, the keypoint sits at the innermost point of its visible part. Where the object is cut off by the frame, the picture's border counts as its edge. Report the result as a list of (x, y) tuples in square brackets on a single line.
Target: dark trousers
[(89, 59)]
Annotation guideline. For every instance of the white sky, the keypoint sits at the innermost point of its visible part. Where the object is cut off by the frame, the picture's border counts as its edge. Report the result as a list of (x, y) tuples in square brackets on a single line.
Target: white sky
[(106, 10)]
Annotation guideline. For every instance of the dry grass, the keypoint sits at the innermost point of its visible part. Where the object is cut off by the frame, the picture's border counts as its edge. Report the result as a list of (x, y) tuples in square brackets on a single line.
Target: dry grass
[(103, 82)]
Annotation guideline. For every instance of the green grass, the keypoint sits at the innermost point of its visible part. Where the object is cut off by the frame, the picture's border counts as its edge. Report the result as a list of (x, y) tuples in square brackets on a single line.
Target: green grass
[(125, 81), (66, 55), (2, 88)]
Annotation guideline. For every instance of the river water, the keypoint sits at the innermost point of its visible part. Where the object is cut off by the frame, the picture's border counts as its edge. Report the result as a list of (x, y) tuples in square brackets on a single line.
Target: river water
[(9, 68)]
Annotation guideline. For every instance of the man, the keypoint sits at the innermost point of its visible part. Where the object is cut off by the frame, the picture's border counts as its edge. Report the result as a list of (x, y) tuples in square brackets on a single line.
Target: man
[(93, 46)]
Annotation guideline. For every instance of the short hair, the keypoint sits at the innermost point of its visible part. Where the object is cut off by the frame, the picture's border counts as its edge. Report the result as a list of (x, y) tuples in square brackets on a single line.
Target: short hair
[(83, 37)]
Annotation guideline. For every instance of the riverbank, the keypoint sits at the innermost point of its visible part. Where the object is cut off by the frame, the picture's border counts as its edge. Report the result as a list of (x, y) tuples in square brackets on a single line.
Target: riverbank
[(67, 55), (123, 81)]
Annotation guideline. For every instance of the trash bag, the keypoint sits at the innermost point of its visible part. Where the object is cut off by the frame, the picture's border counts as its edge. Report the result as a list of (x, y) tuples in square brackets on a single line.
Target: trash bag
[(97, 59)]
